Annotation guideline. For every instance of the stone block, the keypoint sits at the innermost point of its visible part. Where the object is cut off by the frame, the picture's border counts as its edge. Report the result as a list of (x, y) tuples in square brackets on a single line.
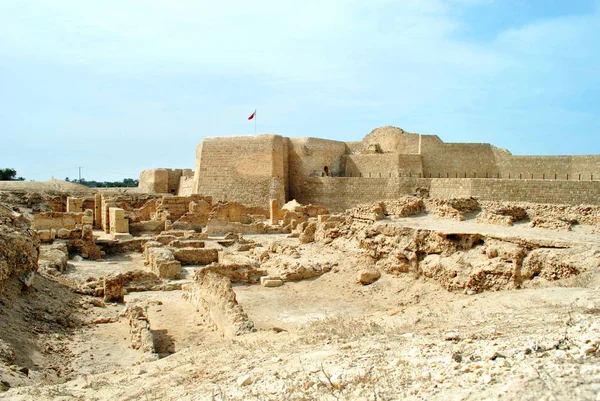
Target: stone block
[(74, 205), (47, 235), (162, 263), (274, 209), (196, 256), (121, 236), (114, 290), (188, 243), (268, 281), (118, 223), (64, 233), (322, 218)]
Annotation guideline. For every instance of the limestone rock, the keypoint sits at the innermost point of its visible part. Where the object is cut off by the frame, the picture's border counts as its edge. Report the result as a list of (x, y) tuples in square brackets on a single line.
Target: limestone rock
[(366, 277)]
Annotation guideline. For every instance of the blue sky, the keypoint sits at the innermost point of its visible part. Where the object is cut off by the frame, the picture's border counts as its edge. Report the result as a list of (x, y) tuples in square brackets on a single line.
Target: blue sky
[(121, 86)]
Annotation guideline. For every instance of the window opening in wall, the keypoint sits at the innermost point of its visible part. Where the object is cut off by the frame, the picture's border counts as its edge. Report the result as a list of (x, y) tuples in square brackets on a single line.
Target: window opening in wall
[(172, 191)]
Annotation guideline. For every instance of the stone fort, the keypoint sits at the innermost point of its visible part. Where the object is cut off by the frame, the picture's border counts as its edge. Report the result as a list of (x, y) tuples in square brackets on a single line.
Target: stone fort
[(386, 164)]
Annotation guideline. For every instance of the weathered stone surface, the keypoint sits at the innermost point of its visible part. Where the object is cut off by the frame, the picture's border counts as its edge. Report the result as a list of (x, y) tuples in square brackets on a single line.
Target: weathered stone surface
[(53, 257), (139, 327), (19, 246), (308, 234), (214, 294), (491, 218), (56, 220), (114, 290), (162, 263), (404, 207), (187, 243)]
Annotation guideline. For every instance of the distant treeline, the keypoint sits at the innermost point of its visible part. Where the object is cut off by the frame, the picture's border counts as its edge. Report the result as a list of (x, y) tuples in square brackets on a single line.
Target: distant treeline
[(127, 182)]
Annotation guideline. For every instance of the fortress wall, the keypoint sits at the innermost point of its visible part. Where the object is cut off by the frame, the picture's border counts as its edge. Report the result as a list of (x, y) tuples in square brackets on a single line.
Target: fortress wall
[(286, 169), (245, 169), (539, 166), (537, 191), (340, 193), (383, 165), (393, 140), (355, 147), (308, 157), (377, 165), (474, 159)]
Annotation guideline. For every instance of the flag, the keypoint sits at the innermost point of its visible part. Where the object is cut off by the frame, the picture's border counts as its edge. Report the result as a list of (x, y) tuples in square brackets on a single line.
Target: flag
[(252, 115)]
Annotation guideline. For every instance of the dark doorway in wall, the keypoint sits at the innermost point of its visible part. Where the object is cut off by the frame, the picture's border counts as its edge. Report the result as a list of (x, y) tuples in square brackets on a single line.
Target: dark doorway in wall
[(325, 172)]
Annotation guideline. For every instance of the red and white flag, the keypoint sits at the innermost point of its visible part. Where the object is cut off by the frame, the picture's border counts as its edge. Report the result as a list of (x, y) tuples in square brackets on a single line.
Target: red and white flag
[(252, 115)]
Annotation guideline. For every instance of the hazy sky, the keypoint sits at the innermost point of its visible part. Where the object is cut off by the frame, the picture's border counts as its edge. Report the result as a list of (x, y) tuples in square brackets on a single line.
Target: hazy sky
[(118, 86)]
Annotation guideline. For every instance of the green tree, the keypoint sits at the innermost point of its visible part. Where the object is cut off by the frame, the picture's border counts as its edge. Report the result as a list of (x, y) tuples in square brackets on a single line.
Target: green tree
[(8, 174)]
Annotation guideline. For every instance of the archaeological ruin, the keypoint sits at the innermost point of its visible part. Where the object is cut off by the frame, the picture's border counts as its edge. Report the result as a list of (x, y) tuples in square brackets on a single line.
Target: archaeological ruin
[(398, 267)]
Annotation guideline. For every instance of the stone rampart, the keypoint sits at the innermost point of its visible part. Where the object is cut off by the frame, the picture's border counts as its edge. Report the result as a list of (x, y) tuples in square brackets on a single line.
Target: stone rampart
[(247, 169), (338, 193)]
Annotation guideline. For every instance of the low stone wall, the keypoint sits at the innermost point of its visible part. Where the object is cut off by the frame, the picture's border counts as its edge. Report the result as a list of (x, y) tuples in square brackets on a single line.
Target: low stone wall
[(213, 294), (56, 220), (139, 328)]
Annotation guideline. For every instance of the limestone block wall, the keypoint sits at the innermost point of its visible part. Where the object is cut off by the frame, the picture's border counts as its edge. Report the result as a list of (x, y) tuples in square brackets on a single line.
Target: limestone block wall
[(341, 193), (457, 159), (118, 223), (174, 207), (162, 180), (308, 157), (537, 191), (548, 167), (186, 185), (74, 205), (56, 220), (338, 194), (383, 165), (246, 169)]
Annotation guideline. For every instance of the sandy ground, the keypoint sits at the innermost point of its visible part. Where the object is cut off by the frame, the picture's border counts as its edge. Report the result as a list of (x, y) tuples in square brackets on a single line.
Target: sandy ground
[(41, 186)]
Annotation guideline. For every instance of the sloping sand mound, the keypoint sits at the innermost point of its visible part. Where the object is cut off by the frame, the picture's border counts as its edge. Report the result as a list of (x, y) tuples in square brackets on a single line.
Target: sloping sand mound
[(40, 186)]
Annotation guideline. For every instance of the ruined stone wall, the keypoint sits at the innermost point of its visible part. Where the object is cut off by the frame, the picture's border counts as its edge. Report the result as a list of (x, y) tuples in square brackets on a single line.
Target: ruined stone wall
[(246, 169), (56, 220)]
